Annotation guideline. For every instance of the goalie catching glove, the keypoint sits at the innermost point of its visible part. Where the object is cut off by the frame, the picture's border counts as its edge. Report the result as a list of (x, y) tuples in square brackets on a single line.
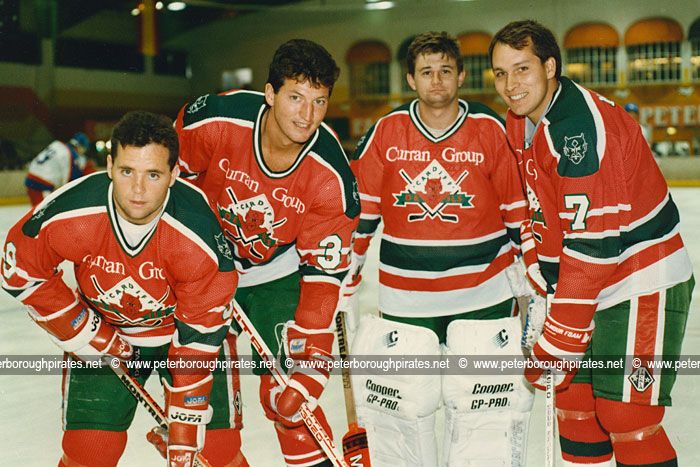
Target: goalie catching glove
[(188, 413), (559, 348), (311, 351)]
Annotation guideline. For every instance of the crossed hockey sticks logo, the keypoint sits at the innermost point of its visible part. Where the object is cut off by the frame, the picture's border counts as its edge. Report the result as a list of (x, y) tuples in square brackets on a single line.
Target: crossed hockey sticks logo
[(449, 198)]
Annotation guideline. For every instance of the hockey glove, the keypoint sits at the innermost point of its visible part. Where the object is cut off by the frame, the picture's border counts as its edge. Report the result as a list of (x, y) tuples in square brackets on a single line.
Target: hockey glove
[(95, 338), (188, 413), (311, 351), (559, 349), (518, 280)]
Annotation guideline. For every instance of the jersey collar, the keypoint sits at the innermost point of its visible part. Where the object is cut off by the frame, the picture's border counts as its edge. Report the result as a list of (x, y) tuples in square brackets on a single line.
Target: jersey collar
[(413, 113)]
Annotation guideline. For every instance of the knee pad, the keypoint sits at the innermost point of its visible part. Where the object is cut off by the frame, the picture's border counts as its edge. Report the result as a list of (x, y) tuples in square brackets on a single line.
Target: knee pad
[(581, 437), (636, 433), (629, 422), (487, 415), (94, 448), (397, 410)]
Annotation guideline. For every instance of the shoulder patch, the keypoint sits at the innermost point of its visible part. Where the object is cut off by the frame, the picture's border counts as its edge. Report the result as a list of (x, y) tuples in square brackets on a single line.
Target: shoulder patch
[(242, 105), (572, 134)]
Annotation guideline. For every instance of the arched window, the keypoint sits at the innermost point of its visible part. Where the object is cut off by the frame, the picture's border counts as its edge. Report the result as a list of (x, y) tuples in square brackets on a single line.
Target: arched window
[(474, 47), (694, 39), (654, 51), (369, 69), (591, 54), (401, 55)]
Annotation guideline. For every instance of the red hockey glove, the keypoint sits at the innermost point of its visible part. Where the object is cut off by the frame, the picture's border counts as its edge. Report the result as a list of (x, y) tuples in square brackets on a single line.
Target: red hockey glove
[(188, 413), (158, 437), (561, 348), (311, 351), (95, 338)]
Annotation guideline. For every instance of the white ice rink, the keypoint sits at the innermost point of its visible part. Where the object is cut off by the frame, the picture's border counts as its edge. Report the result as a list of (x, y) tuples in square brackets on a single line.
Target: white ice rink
[(30, 405)]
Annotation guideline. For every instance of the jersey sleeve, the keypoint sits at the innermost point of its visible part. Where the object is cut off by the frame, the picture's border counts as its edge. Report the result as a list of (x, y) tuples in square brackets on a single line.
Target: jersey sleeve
[(368, 168), (508, 186), (324, 247), (205, 283), (198, 139), (31, 275), (590, 204)]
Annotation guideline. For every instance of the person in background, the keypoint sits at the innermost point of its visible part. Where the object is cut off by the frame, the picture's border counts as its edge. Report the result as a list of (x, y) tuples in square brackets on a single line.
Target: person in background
[(58, 164)]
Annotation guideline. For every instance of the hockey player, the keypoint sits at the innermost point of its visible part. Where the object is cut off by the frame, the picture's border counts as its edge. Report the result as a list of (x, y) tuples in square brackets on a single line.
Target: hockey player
[(439, 173), (287, 199), (56, 165), (155, 281), (606, 234)]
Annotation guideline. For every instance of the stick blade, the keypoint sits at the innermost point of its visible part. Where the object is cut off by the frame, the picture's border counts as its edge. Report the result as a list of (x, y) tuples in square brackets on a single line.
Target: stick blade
[(355, 447)]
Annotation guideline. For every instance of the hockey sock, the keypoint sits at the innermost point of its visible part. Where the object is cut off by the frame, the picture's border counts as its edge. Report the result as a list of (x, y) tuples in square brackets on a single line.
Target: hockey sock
[(222, 448), (298, 445), (582, 439), (636, 434), (92, 448)]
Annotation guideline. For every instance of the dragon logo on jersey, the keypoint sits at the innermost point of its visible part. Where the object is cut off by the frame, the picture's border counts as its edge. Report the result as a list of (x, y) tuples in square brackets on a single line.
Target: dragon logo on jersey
[(536, 215), (128, 303), (433, 190), (198, 105), (253, 222), (575, 148)]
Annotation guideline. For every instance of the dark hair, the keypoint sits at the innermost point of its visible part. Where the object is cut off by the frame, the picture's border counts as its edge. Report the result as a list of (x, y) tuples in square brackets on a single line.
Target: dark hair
[(520, 34), (433, 43), (302, 60), (140, 128)]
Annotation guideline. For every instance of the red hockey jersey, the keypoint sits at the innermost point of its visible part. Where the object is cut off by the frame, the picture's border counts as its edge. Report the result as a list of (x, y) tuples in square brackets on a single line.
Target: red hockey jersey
[(175, 286), (604, 224), (452, 208), (278, 222)]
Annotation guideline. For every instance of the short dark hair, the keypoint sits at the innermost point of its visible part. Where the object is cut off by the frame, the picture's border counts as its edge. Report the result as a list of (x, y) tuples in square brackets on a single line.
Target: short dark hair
[(433, 43), (140, 128), (520, 34), (302, 60)]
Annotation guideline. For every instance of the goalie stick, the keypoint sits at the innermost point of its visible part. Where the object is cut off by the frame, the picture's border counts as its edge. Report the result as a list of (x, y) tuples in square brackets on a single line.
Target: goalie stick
[(355, 446), (314, 426), (142, 396)]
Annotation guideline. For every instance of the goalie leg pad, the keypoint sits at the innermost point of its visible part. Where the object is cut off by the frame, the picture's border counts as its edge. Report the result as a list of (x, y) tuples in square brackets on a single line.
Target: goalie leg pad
[(487, 415), (397, 410), (92, 447)]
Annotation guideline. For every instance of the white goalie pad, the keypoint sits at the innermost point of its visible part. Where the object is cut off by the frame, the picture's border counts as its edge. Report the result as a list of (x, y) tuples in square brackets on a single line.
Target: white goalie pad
[(397, 410), (487, 414)]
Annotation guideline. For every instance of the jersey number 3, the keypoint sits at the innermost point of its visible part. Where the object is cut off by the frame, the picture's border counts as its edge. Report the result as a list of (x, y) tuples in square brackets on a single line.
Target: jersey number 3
[(331, 256)]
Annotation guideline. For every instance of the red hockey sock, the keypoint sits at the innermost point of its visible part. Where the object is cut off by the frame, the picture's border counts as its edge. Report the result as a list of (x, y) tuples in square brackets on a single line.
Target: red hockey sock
[(582, 439), (222, 448), (636, 433), (298, 445), (92, 448)]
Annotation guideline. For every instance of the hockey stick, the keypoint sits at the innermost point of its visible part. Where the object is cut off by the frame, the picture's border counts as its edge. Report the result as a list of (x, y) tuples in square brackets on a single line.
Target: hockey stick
[(314, 426), (142, 396), (549, 419), (355, 446)]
